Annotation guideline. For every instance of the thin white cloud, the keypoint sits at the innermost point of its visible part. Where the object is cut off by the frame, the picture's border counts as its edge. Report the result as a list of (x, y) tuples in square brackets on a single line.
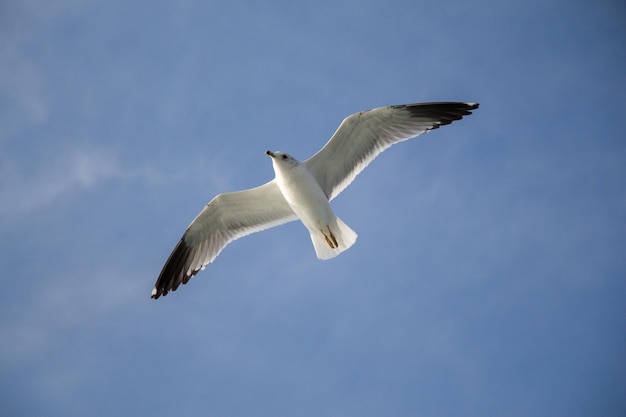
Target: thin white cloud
[(64, 304), (23, 97), (67, 173), (22, 101)]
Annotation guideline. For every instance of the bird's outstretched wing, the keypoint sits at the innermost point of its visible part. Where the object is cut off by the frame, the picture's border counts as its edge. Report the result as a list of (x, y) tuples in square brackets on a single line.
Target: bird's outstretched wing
[(362, 136), (227, 217)]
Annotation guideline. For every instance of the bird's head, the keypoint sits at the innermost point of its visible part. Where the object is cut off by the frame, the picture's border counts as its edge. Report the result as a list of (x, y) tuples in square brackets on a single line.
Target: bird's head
[(282, 160)]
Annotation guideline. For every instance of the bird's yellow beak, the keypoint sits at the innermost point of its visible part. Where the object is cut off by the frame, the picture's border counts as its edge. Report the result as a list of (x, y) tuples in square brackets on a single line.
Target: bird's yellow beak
[(270, 153)]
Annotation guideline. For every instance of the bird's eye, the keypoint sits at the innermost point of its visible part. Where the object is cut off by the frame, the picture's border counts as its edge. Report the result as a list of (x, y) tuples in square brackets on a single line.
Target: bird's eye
[(284, 156)]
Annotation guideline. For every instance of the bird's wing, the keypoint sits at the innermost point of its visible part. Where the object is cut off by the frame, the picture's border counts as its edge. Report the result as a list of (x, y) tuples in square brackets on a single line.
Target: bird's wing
[(227, 217), (362, 136)]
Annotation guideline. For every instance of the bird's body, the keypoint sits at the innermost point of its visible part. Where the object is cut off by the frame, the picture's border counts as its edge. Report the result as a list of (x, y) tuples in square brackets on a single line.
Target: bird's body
[(330, 236), (303, 190)]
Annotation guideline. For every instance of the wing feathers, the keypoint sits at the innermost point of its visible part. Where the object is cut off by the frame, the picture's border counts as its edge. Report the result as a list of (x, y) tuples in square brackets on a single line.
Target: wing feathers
[(226, 218), (363, 136)]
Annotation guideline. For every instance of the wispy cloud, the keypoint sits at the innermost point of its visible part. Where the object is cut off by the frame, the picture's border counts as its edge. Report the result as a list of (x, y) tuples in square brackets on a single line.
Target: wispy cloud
[(24, 98), (22, 191), (64, 304)]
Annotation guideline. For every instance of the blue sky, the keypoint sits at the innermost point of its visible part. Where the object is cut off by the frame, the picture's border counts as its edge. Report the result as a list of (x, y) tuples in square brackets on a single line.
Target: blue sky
[(489, 274)]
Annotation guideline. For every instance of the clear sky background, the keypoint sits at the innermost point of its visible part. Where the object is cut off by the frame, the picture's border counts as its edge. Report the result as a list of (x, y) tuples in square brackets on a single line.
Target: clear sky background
[(489, 277)]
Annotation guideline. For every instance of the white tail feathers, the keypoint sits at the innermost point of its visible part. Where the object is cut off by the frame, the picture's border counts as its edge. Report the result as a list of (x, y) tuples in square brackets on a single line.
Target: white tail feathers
[(333, 240)]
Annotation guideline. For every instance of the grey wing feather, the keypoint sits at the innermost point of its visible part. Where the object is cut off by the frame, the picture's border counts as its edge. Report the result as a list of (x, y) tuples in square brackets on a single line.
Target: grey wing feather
[(227, 217), (362, 136)]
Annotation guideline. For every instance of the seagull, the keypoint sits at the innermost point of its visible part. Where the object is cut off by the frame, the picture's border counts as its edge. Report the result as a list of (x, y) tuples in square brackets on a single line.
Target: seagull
[(303, 190)]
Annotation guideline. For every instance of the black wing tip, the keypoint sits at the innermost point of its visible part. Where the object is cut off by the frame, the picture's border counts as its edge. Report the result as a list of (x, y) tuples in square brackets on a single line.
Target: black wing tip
[(174, 272), (158, 292), (463, 107), (452, 104), (443, 113)]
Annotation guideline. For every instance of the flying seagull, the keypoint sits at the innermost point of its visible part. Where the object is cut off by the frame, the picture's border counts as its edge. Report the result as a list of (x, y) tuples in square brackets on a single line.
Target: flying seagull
[(303, 190)]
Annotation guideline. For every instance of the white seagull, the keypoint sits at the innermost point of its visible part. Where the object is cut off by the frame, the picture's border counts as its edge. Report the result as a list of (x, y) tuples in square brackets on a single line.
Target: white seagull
[(303, 190)]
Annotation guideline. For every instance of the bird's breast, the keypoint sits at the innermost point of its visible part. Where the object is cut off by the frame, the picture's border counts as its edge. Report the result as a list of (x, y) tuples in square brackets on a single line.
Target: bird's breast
[(305, 196)]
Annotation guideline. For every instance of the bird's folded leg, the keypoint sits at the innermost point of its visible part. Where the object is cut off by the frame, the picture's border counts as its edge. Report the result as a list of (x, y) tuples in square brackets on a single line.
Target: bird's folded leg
[(330, 238)]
